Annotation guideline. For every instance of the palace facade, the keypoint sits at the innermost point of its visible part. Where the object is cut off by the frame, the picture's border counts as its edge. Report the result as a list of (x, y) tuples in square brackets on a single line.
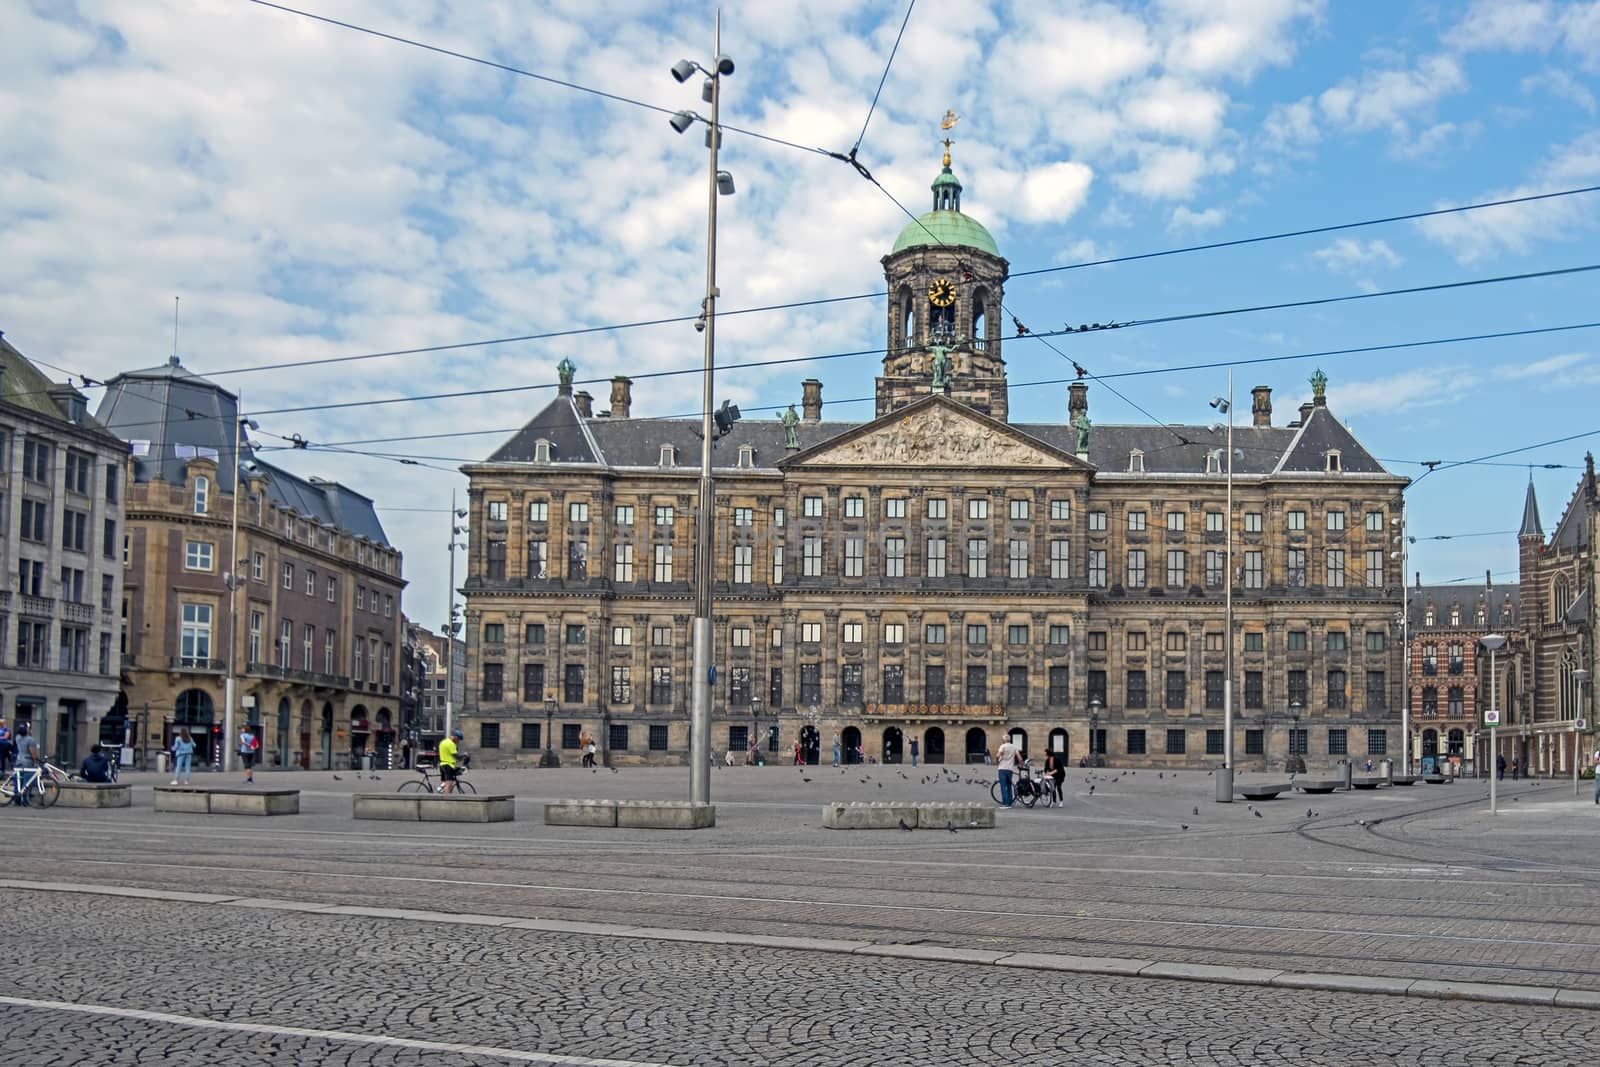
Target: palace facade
[(938, 574)]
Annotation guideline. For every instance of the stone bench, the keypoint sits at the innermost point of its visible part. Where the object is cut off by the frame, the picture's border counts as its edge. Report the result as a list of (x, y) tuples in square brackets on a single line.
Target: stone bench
[(1435, 779), (1403, 779), (631, 814), (200, 801), (1319, 785), (889, 816), (1367, 783), (434, 807), (1262, 792), (94, 795)]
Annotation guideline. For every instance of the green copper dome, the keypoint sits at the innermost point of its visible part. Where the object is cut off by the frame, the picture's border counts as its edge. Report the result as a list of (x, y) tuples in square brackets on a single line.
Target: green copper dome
[(945, 224)]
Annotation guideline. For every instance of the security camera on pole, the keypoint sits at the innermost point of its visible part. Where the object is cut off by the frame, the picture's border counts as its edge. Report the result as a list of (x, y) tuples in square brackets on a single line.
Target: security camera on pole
[(1224, 404), (721, 184), (1491, 717)]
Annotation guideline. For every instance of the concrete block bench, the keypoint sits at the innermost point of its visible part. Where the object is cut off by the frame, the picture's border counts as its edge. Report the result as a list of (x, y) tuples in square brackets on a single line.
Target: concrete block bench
[(1262, 792), (634, 814), (1403, 779), (1367, 783), (1435, 779), (434, 807), (94, 795), (889, 816), (1319, 785), (201, 801)]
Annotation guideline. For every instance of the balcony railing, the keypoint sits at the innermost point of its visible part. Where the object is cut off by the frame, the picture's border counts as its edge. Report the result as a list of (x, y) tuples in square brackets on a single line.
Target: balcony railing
[(75, 612), (37, 605), (196, 663)]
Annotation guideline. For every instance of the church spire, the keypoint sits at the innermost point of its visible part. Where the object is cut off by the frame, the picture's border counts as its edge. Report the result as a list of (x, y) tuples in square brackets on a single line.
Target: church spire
[(1530, 516)]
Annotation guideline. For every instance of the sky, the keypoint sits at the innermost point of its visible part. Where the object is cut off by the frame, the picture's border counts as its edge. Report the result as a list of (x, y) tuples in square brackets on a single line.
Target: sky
[(309, 191)]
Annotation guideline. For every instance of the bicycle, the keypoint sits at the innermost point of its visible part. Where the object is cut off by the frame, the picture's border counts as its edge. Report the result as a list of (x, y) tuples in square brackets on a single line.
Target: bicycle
[(425, 783), (1026, 789), (25, 784)]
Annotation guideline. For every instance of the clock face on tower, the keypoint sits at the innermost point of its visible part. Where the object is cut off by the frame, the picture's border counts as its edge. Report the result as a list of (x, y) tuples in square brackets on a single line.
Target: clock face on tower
[(941, 293)]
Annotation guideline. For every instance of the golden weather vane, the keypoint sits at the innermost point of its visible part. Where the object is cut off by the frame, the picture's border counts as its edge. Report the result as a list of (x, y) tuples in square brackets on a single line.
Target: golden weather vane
[(947, 123)]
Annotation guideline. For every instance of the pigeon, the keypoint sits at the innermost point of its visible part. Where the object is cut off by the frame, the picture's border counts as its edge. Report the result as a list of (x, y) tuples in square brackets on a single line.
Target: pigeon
[(864, 781), (902, 774), (613, 770), (594, 770), (1308, 813), (904, 825), (1249, 807), (803, 778), (1091, 790), (1208, 774), (1161, 774), (880, 785), (1361, 822), (951, 826), (358, 774), (375, 778), (1197, 809), (1184, 825), (1257, 814)]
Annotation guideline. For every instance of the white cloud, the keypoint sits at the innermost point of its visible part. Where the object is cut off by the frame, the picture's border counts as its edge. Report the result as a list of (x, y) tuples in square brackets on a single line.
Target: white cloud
[(1421, 387), (1550, 366), (1170, 172), (1500, 24), (1088, 53), (1392, 99), (1350, 256), (1049, 193), (1289, 126), (1562, 86), (1171, 108), (1515, 228), (1234, 38), (1184, 219)]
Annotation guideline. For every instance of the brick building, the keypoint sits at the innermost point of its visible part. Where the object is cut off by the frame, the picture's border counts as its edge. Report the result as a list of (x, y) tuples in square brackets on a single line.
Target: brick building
[(316, 618), (938, 573), (63, 478), (1449, 671)]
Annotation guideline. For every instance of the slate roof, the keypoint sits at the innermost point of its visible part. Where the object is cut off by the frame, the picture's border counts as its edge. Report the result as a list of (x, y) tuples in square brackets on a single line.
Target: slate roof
[(25, 385), (171, 416), (1573, 529), (636, 442), (1501, 604)]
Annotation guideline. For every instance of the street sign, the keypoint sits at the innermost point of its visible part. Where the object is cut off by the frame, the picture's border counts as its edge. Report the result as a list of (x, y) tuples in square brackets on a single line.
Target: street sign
[(1580, 725), (1491, 717)]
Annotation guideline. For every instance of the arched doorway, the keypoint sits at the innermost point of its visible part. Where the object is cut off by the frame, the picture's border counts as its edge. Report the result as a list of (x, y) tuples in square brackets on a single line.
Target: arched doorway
[(280, 753), (193, 709), (810, 745), (893, 744), (852, 744), (1059, 743), (1019, 737), (1430, 750), (933, 745), (977, 745), (303, 757), (360, 731), (325, 744)]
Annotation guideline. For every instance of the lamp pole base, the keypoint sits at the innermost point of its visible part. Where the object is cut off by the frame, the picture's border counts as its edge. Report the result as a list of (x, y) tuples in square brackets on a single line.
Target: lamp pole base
[(548, 758), (1224, 785)]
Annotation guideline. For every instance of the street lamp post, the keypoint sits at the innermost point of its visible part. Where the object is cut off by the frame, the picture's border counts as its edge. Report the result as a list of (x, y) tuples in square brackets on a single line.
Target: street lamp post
[(1402, 553), (1581, 676), (721, 184), (451, 625), (1224, 404), (1095, 758), (549, 758), (1294, 763), (234, 580), (1494, 643)]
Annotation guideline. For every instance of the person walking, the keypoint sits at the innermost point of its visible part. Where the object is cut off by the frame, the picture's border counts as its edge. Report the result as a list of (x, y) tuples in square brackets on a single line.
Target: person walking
[(182, 757), (837, 751), (1005, 758), (5, 747), (1595, 763), (1055, 769), (1500, 767), (249, 746), (586, 742), (913, 752), (799, 755), (28, 757), (449, 761), (1516, 768)]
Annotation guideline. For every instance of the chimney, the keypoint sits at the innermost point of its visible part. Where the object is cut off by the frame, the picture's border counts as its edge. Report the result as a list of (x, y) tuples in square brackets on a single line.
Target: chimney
[(811, 400), (584, 403), (621, 396), (74, 406), (1077, 400), (1261, 405), (1305, 413)]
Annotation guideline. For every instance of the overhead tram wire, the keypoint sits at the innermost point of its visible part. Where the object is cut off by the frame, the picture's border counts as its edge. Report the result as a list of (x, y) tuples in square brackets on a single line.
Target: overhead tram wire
[(508, 69), (912, 6), (580, 331)]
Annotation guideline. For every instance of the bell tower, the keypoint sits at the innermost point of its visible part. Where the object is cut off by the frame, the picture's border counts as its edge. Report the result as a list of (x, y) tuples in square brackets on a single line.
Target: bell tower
[(946, 281)]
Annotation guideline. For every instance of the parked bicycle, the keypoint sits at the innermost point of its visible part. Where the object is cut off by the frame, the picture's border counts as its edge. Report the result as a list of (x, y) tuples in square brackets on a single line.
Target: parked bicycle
[(29, 786), (426, 784), (1027, 789)]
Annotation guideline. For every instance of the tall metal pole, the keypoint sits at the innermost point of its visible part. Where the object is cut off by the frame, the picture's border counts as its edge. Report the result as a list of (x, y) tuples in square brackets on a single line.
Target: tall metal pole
[(700, 681), (1581, 676), (1405, 644), (450, 627), (229, 686), (1225, 776), (1494, 737)]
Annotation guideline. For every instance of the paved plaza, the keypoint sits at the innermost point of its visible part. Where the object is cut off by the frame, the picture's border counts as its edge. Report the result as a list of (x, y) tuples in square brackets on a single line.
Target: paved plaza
[(140, 938)]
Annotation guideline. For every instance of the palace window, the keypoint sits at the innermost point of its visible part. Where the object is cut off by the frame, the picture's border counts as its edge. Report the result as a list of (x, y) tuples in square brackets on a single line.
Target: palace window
[(1060, 559)]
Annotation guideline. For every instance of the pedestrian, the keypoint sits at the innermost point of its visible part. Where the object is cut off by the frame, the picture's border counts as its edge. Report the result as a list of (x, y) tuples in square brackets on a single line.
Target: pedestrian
[(1516, 767), (1005, 758), (799, 755), (182, 757), (586, 742), (249, 746), (1055, 768), (1500, 767), (5, 747), (752, 755), (836, 750), (449, 762), (1595, 763), (913, 752), (95, 766), (28, 756)]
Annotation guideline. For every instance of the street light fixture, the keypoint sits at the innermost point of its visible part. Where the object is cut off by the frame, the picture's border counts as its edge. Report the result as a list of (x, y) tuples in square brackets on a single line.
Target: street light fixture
[(1399, 523), (234, 580), (452, 624), (720, 184), (548, 758), (1494, 643), (1295, 763), (1096, 759), (1581, 676), (1224, 795)]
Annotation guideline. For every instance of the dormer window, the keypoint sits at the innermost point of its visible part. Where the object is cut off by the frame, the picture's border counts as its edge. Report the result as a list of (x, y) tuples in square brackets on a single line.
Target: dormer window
[(1332, 457), (1427, 616), (541, 451), (1136, 461), (1213, 462), (669, 456), (1455, 616), (202, 494), (747, 456)]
